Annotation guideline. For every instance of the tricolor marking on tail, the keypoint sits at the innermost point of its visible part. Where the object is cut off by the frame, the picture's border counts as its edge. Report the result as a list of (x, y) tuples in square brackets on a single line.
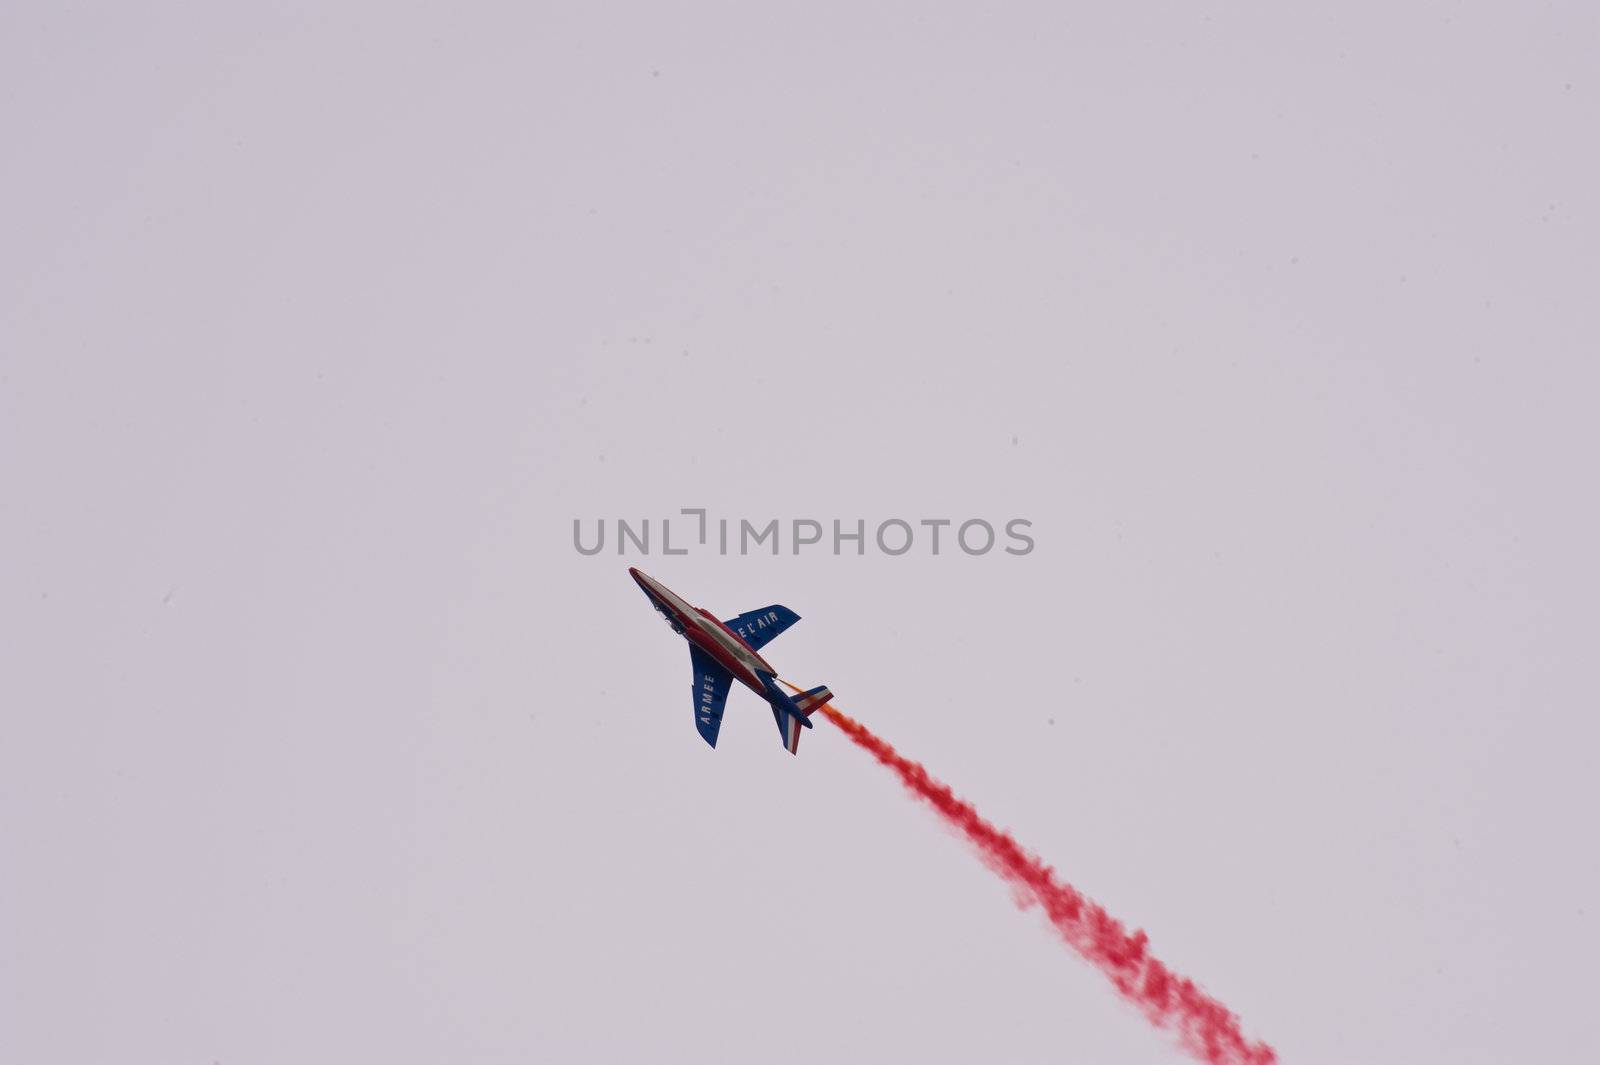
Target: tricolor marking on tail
[(791, 733), (808, 702)]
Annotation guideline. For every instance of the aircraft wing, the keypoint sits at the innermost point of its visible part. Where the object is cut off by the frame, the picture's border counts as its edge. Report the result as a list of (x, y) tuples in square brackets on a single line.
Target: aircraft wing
[(760, 627), (711, 683)]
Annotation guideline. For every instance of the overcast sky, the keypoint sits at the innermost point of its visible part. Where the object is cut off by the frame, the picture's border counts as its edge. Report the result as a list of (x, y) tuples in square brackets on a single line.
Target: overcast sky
[(320, 324)]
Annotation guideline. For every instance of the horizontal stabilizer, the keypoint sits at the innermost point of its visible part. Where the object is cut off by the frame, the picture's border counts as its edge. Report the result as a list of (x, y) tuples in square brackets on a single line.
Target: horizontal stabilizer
[(787, 711), (789, 728)]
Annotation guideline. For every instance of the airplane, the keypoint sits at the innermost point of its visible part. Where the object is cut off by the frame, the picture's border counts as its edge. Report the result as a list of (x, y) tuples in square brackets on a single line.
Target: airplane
[(722, 651)]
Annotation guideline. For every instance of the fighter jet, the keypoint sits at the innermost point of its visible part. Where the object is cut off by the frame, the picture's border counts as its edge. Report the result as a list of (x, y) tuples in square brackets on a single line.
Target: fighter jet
[(721, 651)]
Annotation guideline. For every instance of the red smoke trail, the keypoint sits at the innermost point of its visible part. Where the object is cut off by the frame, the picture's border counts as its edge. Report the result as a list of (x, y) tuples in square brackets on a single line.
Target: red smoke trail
[(1204, 1026)]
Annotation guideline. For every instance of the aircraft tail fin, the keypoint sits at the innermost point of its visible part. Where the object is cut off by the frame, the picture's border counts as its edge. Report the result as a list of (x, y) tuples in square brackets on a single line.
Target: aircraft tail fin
[(813, 700), (790, 713)]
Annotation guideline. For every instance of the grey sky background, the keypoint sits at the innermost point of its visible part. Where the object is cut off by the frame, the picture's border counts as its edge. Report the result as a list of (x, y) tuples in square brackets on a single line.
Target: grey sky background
[(319, 324)]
